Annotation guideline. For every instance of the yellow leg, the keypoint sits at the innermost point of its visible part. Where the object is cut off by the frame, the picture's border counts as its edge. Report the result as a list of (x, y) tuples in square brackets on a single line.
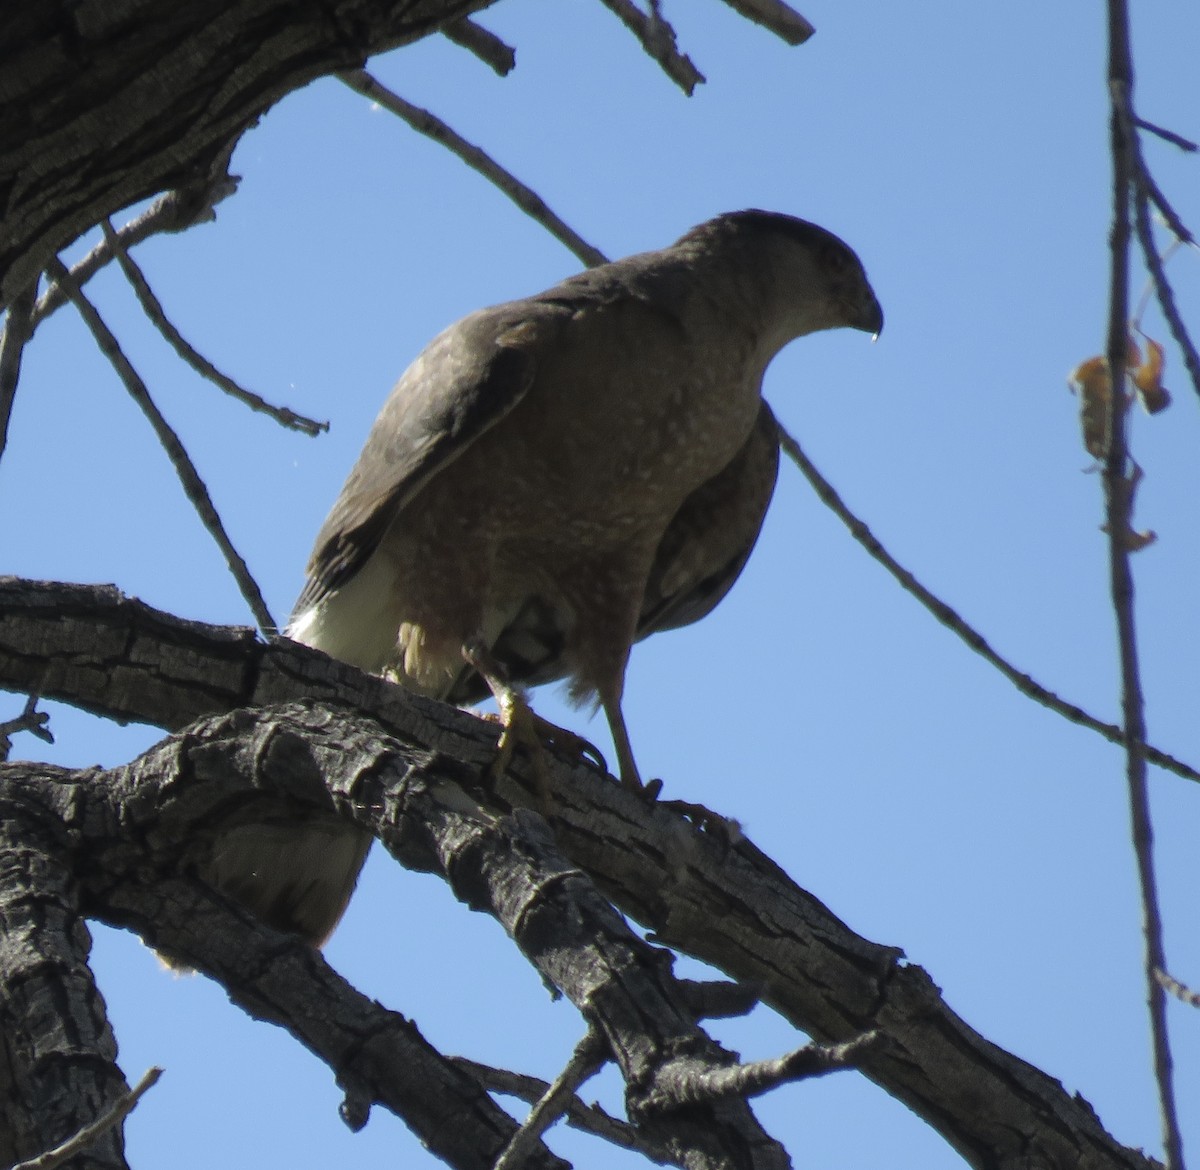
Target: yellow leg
[(626, 766)]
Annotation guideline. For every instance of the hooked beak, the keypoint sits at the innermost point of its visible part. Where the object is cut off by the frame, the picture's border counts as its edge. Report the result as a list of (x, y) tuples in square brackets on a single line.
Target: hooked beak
[(870, 319)]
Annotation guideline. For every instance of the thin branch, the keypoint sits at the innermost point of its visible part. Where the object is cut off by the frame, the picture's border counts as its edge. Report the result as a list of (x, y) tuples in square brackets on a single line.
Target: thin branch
[(86, 1136), (586, 1118), (760, 1076), (589, 1058), (36, 722), (174, 211), (1168, 135), (781, 19), (489, 48), (1123, 142), (1170, 216), (193, 485), (1181, 991), (657, 37), (433, 127), (153, 309), (952, 621), (17, 331), (1162, 286)]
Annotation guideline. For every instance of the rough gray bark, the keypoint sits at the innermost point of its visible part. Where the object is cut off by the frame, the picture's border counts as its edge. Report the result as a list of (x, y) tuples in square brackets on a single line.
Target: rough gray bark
[(57, 1053), (701, 892), (107, 102)]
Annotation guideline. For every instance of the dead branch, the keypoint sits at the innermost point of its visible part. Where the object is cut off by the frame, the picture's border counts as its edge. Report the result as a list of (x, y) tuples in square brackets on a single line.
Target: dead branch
[(952, 621), (781, 19), (151, 818), (189, 477), (128, 834), (1167, 135), (153, 309), (589, 1057), (433, 127), (586, 1118), (111, 1118), (115, 139), (657, 38), (1162, 287), (36, 722), (58, 1059), (91, 647), (17, 331), (1118, 506), (1181, 991), (760, 1076), (488, 47), (175, 211)]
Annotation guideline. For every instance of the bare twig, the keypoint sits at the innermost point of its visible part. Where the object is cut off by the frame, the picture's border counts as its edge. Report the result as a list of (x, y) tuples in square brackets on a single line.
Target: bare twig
[(153, 309), (86, 1136), (17, 329), (589, 1057), (952, 621), (193, 485), (433, 127), (1162, 286), (175, 211), (1181, 991), (1168, 135), (781, 19), (1170, 216), (586, 1118), (657, 37), (36, 722), (488, 47), (1123, 143), (760, 1076)]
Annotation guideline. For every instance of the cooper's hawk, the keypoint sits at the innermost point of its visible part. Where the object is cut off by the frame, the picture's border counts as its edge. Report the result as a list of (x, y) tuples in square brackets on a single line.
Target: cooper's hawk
[(551, 480)]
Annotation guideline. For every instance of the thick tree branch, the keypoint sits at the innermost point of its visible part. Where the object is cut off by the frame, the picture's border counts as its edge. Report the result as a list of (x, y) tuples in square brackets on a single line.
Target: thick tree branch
[(146, 826), (57, 1052), (114, 656), (147, 93), (137, 831)]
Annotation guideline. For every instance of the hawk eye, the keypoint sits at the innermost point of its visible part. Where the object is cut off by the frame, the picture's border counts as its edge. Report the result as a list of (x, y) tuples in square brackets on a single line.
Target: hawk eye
[(834, 258)]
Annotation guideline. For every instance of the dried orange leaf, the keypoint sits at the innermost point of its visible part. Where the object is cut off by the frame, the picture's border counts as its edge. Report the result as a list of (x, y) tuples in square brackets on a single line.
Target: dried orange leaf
[(1147, 377), (1134, 541), (1091, 382)]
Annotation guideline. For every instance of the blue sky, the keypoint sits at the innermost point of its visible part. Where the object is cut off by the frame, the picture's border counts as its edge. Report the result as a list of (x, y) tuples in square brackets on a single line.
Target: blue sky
[(961, 149)]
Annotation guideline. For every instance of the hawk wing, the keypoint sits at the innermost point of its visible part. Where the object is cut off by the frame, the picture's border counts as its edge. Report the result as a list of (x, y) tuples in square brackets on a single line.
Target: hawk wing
[(708, 542), (463, 383)]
